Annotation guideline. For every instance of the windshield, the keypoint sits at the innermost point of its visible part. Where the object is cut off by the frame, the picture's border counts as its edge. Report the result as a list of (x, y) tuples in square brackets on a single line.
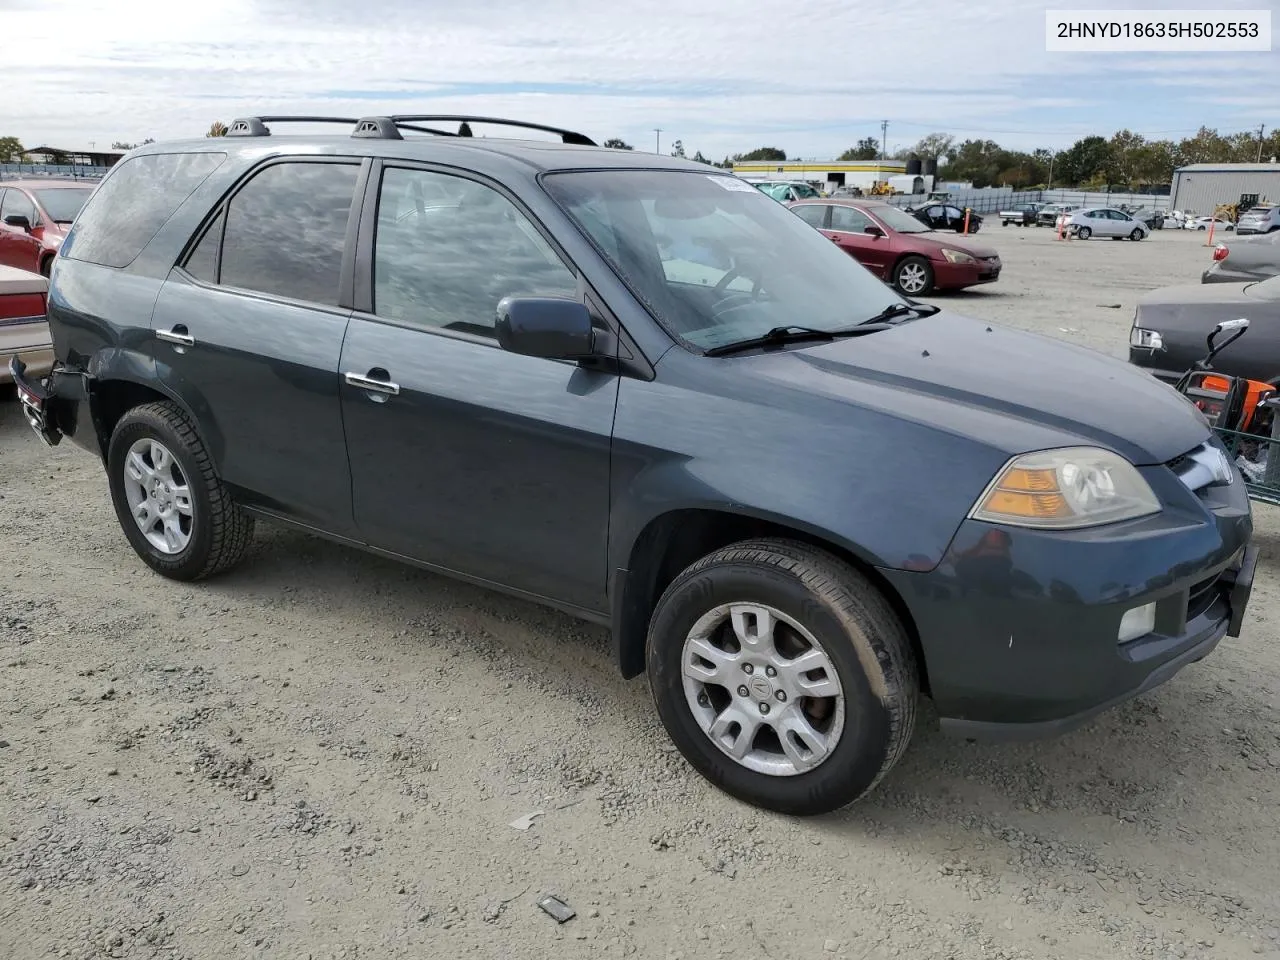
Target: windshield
[(895, 219), (62, 204), (714, 260), (1265, 289)]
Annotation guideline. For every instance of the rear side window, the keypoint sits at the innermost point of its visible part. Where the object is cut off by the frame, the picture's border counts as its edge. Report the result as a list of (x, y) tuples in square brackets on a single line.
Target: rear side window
[(133, 203), (286, 231)]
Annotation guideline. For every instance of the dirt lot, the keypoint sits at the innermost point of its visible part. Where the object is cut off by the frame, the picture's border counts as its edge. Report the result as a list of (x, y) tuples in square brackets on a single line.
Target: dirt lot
[(320, 756)]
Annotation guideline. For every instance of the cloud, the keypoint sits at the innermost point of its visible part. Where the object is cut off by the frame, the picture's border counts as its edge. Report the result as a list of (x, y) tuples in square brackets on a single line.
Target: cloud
[(722, 77)]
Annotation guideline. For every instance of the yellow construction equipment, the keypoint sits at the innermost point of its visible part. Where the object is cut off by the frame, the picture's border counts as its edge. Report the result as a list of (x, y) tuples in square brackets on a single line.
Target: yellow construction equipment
[(1227, 211), (880, 188)]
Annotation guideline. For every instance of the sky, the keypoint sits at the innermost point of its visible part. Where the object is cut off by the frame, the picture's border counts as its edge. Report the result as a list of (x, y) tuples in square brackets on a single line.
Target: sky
[(722, 77)]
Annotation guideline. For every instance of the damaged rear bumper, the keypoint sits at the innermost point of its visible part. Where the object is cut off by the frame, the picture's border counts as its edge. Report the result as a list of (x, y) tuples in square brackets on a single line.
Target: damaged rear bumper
[(38, 398)]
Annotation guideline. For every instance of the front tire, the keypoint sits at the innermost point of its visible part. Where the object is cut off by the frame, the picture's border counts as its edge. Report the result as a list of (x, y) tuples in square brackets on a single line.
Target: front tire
[(1136, 235), (174, 510), (1084, 233), (783, 676), (913, 276)]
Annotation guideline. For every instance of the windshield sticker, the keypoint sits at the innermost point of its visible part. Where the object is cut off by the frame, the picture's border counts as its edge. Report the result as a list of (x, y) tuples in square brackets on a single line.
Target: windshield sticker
[(731, 183)]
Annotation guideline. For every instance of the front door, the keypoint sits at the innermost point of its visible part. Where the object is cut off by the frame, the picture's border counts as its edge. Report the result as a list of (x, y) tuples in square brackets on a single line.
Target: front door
[(849, 229), (19, 247), (249, 333), (463, 455)]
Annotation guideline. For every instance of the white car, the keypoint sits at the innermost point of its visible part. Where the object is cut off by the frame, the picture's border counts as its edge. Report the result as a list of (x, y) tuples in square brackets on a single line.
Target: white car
[(1106, 222), (1263, 218), (1202, 223)]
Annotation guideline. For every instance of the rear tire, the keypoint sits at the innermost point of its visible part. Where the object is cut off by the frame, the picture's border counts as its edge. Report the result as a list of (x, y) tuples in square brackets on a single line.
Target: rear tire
[(913, 276), (46, 267), (776, 602), (159, 470)]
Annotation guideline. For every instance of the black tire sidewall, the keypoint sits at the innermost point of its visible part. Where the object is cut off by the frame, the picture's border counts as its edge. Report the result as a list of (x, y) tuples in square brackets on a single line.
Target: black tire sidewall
[(139, 424), (928, 273), (1084, 233), (861, 752)]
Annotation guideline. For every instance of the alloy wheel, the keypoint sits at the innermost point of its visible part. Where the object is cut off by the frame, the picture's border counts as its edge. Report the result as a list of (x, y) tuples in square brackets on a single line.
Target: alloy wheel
[(159, 496), (762, 689)]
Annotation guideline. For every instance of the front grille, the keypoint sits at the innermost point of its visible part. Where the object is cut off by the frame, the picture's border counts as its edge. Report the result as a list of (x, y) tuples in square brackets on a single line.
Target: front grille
[(1202, 595)]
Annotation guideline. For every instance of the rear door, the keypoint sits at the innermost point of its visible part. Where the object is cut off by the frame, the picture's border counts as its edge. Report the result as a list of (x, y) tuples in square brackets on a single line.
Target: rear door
[(463, 455), (249, 332), (19, 248)]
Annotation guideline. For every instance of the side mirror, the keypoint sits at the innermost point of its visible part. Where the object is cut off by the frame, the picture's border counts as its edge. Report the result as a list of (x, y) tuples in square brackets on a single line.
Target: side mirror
[(873, 231), (550, 327), (1240, 324), (18, 220)]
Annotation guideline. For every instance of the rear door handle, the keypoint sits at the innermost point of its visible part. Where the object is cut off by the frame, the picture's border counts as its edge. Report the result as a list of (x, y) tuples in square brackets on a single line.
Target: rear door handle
[(379, 385), (177, 335)]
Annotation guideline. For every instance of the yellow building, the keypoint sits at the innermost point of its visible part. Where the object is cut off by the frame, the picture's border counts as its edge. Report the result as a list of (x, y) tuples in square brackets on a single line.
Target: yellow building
[(828, 174)]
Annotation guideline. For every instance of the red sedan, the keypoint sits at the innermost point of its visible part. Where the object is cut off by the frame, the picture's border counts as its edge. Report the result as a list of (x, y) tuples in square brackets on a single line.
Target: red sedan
[(898, 248), (34, 217)]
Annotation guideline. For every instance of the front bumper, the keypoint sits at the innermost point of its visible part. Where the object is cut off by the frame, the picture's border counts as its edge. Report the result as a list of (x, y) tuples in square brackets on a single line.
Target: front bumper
[(1019, 628), (954, 276)]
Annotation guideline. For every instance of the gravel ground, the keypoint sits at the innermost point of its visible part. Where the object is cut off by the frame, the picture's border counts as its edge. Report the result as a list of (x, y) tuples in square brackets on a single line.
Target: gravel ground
[(321, 755)]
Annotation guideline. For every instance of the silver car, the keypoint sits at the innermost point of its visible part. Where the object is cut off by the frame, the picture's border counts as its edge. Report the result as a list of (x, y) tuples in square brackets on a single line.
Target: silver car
[(1106, 222), (1264, 218)]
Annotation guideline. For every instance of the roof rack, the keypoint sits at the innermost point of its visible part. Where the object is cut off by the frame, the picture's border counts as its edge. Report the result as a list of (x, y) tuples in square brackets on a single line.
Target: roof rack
[(388, 128), (257, 126)]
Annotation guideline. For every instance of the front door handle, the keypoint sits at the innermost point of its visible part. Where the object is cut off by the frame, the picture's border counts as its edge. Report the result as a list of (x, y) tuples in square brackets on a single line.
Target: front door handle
[(377, 385), (178, 334)]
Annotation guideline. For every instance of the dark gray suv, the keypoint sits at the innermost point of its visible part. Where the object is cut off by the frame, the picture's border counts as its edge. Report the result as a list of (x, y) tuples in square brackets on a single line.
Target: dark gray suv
[(637, 389)]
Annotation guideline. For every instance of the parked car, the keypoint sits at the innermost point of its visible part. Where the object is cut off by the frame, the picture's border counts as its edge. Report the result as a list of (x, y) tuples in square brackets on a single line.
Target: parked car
[(34, 217), (1202, 223), (946, 216), (799, 499), (1251, 258), (1151, 216), (1176, 219), (899, 248), (1106, 222), (1024, 215), (1049, 213), (1262, 218), (24, 331), (794, 190), (1170, 326)]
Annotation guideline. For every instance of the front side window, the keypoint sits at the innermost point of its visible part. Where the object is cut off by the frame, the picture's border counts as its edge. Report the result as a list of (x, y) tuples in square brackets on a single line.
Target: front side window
[(286, 230), (763, 267), (448, 250), (849, 220), (18, 204)]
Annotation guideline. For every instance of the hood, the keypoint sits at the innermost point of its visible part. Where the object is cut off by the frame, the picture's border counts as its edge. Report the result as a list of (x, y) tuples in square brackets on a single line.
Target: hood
[(957, 241), (1010, 390)]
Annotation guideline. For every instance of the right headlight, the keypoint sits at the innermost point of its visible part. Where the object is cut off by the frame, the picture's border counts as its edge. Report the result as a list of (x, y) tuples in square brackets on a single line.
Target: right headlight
[(1066, 489)]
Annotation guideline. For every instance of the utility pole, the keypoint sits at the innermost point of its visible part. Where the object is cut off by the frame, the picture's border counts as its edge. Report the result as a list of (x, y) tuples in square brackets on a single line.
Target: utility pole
[(657, 139), (1261, 128), (884, 138)]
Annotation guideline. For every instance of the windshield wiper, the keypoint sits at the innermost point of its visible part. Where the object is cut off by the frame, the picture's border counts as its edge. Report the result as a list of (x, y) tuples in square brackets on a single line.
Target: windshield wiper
[(792, 333), (898, 309)]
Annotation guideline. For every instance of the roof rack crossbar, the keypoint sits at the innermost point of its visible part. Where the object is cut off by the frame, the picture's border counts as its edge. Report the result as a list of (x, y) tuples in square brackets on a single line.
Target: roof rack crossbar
[(566, 136), (257, 126)]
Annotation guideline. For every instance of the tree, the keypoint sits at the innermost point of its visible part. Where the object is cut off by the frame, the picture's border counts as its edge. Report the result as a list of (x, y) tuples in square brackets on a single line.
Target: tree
[(10, 149), (677, 148), (122, 145), (868, 148), (935, 146), (616, 144), (217, 129), (1207, 146), (761, 153), (699, 158), (1084, 161)]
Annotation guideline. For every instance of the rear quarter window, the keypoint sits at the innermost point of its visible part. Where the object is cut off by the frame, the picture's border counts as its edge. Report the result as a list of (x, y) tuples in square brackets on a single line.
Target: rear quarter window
[(133, 203)]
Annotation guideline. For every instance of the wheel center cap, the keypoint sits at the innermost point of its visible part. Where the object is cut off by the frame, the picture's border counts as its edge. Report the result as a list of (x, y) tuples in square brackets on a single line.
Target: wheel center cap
[(760, 687)]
